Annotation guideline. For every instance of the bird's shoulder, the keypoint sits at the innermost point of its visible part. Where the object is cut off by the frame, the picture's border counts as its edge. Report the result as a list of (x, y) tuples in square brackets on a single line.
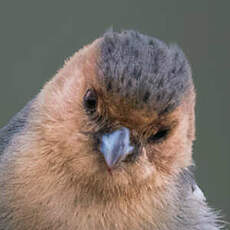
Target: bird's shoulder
[(192, 209), (14, 126), (188, 185)]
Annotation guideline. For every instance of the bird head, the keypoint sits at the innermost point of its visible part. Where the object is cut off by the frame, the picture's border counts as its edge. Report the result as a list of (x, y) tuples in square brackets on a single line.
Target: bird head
[(119, 116)]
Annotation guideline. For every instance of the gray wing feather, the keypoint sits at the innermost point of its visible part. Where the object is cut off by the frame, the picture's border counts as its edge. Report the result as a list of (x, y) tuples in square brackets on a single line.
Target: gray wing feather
[(193, 211), (15, 125)]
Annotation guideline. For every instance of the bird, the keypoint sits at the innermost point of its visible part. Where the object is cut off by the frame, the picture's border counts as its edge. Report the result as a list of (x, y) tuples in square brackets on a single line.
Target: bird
[(107, 144)]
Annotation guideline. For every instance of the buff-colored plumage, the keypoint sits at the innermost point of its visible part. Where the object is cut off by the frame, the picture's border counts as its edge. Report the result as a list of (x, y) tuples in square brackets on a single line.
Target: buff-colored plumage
[(53, 176)]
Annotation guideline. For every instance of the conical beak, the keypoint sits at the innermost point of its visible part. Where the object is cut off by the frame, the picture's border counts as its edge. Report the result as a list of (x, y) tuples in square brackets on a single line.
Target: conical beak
[(115, 146)]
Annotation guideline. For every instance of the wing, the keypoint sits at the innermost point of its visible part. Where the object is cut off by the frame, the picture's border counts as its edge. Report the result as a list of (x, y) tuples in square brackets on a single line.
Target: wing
[(15, 125), (193, 211)]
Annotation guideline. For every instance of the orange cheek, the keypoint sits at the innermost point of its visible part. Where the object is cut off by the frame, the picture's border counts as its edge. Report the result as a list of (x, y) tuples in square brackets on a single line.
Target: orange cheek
[(172, 155)]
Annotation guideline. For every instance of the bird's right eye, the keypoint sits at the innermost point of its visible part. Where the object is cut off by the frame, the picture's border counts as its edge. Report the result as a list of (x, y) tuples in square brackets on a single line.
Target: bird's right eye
[(90, 101), (158, 136)]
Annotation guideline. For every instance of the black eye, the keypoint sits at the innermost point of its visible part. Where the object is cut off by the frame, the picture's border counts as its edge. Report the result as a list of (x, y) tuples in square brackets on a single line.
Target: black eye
[(90, 101), (160, 135)]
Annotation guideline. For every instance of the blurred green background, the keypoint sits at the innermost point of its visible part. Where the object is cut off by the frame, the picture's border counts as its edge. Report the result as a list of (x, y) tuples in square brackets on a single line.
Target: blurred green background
[(37, 36)]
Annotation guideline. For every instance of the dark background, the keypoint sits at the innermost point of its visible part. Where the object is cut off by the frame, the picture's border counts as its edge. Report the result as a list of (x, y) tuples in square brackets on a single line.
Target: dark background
[(37, 36)]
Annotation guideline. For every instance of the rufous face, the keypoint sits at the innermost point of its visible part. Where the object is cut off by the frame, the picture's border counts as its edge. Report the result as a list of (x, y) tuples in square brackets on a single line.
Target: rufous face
[(109, 139)]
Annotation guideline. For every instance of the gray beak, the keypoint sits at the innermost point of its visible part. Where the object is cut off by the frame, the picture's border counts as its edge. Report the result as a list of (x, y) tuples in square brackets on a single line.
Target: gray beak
[(115, 146)]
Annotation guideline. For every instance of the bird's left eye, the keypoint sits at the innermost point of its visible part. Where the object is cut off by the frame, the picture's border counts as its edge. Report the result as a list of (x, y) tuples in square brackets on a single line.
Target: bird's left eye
[(90, 101), (158, 136)]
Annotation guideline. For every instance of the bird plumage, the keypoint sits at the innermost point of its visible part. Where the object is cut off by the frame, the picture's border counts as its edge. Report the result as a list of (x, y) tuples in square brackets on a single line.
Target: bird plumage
[(53, 173)]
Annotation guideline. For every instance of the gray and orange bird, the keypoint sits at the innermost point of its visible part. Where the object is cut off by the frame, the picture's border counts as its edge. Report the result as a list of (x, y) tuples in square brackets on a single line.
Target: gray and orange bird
[(106, 144)]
